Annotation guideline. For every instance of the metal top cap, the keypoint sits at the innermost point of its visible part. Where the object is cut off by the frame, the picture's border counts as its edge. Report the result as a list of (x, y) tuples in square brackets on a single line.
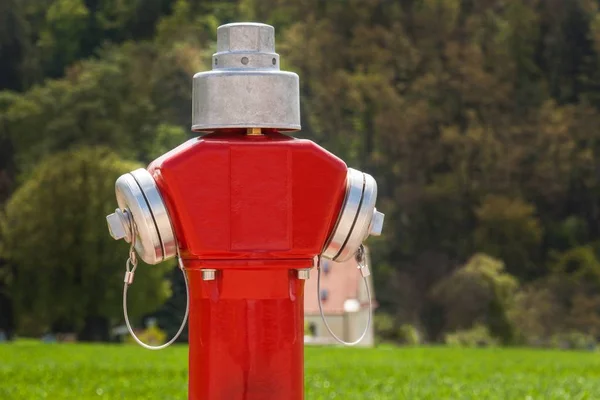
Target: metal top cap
[(245, 88)]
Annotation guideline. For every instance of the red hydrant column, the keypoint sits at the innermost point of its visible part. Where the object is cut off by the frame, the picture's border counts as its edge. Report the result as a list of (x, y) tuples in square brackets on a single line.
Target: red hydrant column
[(247, 342), (247, 209), (253, 211)]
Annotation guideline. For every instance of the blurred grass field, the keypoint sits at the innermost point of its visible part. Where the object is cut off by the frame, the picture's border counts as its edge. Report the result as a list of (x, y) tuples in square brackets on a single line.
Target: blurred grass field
[(75, 371)]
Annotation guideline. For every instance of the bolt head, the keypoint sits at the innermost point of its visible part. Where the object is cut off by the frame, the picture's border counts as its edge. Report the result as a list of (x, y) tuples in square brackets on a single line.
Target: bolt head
[(118, 225), (246, 37), (209, 274), (376, 223), (304, 274)]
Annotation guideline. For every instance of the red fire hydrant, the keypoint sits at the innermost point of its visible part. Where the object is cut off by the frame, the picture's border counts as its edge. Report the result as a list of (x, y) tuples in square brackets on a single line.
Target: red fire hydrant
[(247, 209)]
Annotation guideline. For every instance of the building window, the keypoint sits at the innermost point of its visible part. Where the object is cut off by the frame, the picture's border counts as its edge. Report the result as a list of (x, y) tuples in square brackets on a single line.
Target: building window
[(326, 267), (312, 329), (324, 294)]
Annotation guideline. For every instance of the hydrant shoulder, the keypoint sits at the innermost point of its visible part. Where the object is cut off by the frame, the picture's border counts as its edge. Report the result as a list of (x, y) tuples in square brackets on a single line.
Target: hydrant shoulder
[(237, 197)]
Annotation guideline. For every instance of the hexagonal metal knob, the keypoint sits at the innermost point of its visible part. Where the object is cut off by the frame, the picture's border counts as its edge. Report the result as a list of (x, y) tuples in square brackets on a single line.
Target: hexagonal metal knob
[(246, 37), (118, 225), (376, 223)]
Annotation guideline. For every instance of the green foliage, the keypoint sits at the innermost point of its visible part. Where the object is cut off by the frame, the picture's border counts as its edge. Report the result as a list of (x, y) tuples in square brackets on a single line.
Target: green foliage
[(573, 341), (66, 20), (478, 336), (562, 303), (152, 335), (584, 315), (478, 292), (536, 313), (114, 15), (508, 229), (85, 372), (579, 263), (66, 267), (478, 121), (118, 102), (571, 232), (384, 326), (409, 335), (14, 45), (167, 137), (185, 26), (386, 330)]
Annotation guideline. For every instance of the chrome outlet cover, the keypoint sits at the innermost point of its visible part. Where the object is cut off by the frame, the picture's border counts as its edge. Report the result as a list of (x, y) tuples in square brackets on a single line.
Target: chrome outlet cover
[(358, 218), (138, 195)]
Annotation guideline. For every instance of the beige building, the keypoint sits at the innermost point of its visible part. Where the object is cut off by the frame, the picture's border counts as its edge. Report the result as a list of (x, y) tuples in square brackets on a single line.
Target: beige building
[(345, 304)]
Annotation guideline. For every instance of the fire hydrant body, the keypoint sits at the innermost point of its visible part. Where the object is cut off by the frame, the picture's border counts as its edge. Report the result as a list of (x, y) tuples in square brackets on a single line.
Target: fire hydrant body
[(247, 209), (256, 209)]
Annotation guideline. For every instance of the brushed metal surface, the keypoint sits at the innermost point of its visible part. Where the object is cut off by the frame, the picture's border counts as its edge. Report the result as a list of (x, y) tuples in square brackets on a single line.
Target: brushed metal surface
[(245, 88)]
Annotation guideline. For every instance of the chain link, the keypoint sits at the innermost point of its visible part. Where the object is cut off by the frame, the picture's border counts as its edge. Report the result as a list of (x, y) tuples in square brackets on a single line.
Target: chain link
[(131, 263), (361, 260)]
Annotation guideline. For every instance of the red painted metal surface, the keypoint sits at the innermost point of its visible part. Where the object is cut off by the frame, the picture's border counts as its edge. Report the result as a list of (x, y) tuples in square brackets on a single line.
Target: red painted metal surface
[(246, 336), (255, 208)]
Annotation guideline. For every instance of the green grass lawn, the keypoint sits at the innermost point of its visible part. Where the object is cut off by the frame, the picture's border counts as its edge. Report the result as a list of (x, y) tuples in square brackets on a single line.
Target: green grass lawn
[(35, 371)]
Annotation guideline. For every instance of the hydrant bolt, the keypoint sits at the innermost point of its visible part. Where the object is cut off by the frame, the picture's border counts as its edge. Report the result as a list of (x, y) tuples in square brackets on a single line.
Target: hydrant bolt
[(209, 274), (304, 274)]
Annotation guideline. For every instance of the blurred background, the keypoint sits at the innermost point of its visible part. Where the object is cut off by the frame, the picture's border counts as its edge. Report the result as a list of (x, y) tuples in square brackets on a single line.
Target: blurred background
[(479, 120)]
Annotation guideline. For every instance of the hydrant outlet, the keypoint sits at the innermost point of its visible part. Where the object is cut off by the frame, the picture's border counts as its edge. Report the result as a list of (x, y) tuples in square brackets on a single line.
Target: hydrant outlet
[(138, 194), (358, 218)]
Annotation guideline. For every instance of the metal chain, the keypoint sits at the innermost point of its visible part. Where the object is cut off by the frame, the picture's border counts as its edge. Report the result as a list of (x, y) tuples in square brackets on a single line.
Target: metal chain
[(130, 267), (364, 271)]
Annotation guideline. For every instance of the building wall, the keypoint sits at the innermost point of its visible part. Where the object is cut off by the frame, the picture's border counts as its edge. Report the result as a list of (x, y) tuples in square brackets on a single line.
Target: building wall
[(336, 323), (357, 327), (343, 282), (348, 327), (361, 318)]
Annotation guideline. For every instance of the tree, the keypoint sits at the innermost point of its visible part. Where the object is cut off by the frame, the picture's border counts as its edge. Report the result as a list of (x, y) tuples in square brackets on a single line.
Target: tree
[(68, 271), (132, 98), (537, 313), (581, 264), (60, 41), (478, 292), (13, 44), (477, 118), (508, 229)]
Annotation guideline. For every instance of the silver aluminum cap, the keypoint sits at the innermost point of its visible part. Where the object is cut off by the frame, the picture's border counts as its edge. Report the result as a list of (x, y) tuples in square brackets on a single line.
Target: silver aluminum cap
[(138, 195), (358, 218), (246, 88)]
